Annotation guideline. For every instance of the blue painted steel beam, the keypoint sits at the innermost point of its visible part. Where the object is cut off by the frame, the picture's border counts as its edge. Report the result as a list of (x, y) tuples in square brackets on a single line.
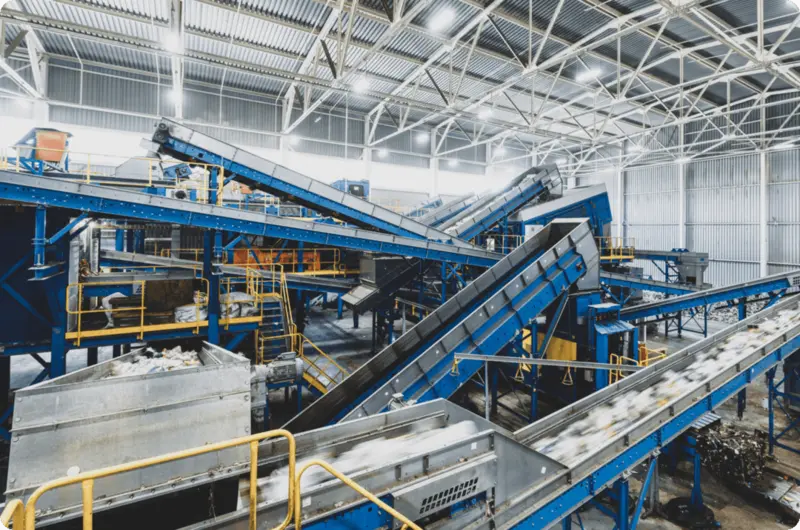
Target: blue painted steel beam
[(114, 202), (506, 209), (580, 491), (777, 282), (642, 284)]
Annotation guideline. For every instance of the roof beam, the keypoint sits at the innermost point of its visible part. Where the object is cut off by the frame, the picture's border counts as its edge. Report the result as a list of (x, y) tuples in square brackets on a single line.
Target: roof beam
[(176, 61), (345, 77)]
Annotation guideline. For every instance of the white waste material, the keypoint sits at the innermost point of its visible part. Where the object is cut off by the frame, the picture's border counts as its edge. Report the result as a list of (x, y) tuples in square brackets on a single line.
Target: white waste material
[(238, 304), (369, 454), (606, 421), (190, 313), (152, 361)]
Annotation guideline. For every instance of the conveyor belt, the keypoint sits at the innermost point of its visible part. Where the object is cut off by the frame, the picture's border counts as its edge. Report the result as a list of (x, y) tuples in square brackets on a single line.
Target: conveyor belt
[(675, 256), (591, 202), (535, 182), (768, 284), (424, 207), (295, 281), (448, 210), (27, 188), (634, 282), (486, 330), (185, 143), (749, 349), (549, 260)]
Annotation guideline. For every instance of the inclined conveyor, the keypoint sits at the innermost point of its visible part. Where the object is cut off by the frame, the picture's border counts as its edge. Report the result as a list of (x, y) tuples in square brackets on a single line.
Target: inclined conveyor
[(482, 317)]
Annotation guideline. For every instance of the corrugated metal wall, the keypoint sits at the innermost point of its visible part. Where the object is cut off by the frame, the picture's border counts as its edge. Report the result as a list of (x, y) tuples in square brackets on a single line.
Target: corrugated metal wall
[(722, 214), (651, 209), (783, 223)]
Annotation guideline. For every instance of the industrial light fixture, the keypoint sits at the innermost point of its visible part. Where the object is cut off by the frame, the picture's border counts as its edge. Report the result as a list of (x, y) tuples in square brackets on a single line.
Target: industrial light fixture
[(636, 148), (441, 20), (383, 153), (317, 119), (175, 96), (588, 75), (589, 94), (452, 163), (785, 145), (561, 161), (293, 140), (500, 150), (795, 3), (683, 160), (485, 113), (422, 138), (360, 85), (172, 43)]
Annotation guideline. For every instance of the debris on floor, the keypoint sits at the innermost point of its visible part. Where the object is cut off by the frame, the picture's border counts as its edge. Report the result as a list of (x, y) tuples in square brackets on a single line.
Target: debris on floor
[(734, 455)]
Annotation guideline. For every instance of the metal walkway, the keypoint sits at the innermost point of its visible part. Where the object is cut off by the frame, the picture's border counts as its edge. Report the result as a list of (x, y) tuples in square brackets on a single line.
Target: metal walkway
[(770, 284), (494, 306), (301, 282), (185, 143), (105, 201)]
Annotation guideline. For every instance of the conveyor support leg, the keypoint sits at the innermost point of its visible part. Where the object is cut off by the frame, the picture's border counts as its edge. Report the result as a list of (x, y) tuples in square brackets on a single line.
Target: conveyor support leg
[(116, 350), (339, 307), (91, 356), (209, 246), (697, 491), (623, 488)]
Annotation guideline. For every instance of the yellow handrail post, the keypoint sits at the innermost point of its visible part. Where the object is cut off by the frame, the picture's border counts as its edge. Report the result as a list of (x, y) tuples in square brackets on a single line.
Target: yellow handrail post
[(13, 512), (352, 485), (87, 479)]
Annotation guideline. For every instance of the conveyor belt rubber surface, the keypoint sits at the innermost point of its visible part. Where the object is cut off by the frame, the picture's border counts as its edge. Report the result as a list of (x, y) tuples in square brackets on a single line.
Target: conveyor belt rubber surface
[(559, 247), (53, 192), (185, 143)]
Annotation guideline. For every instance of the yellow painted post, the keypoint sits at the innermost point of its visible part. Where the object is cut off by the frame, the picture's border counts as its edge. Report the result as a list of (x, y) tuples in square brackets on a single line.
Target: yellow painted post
[(253, 481), (87, 487)]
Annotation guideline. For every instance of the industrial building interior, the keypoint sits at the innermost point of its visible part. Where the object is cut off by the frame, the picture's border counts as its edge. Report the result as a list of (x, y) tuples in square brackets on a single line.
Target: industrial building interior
[(400, 264)]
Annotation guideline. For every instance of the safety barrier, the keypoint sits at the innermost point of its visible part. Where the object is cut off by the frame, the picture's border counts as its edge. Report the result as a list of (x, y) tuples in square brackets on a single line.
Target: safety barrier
[(87, 479), (646, 358), (615, 248), (93, 168), (23, 516)]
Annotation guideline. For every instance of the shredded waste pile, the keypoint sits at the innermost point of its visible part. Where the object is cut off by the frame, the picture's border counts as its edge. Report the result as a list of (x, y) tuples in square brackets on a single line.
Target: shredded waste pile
[(610, 419), (372, 453), (152, 361), (734, 455)]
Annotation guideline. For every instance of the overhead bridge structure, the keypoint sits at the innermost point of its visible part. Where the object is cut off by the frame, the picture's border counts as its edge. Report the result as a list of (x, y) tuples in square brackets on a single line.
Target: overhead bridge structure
[(481, 318), (185, 143), (54, 192)]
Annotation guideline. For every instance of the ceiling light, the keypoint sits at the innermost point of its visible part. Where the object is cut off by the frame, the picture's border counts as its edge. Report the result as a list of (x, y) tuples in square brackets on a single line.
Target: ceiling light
[(485, 113), (683, 160), (383, 153), (23, 103), (317, 119), (796, 3), (785, 145), (500, 151), (441, 20), (452, 163), (172, 43), (588, 75), (293, 140), (422, 138), (636, 148), (589, 94), (561, 161), (361, 85), (175, 96)]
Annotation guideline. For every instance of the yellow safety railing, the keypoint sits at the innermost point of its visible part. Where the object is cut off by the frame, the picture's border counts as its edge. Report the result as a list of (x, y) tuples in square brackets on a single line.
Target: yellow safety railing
[(407, 523), (87, 480), (315, 373), (504, 243), (649, 356), (317, 260), (615, 248), (139, 310), (23, 516), (90, 162)]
